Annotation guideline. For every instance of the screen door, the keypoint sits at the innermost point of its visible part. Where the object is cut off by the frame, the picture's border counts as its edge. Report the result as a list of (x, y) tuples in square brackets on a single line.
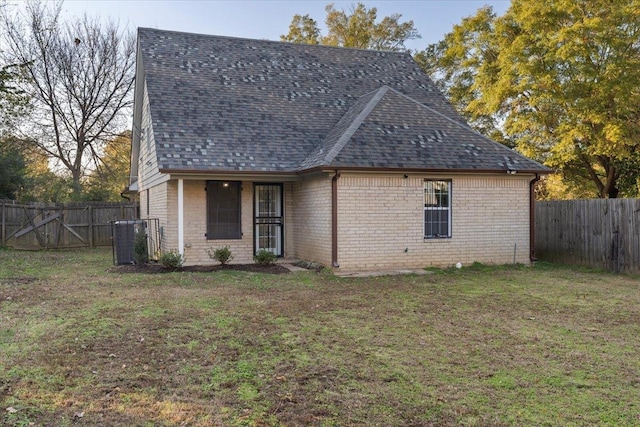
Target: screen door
[(268, 218)]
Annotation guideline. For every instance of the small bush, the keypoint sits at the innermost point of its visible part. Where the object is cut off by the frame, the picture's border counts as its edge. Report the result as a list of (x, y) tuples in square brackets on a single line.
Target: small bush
[(140, 248), (264, 257), (172, 260), (222, 255)]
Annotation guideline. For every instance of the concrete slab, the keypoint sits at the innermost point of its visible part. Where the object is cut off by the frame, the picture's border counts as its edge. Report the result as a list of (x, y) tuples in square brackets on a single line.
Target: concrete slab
[(292, 267), (380, 273)]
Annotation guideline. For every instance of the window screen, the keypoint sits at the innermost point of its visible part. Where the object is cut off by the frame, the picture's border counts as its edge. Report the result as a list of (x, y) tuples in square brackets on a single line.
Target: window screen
[(223, 210)]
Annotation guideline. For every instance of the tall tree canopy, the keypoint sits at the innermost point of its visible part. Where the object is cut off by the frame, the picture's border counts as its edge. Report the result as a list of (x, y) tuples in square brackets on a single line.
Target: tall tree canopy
[(79, 79), (558, 79), (356, 28)]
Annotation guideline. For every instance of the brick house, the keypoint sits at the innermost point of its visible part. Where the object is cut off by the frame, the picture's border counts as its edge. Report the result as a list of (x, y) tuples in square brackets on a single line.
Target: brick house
[(350, 158)]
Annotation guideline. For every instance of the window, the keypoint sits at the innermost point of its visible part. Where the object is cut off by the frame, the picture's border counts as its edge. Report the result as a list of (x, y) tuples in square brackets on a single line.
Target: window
[(437, 209), (223, 210)]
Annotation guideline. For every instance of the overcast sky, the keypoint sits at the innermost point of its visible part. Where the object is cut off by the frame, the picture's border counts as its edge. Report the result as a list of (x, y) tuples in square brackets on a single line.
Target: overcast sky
[(268, 19)]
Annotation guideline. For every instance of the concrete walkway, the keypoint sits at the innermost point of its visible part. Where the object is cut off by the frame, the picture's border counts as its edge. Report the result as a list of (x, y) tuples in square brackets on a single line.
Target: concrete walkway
[(379, 273), (292, 267), (289, 264)]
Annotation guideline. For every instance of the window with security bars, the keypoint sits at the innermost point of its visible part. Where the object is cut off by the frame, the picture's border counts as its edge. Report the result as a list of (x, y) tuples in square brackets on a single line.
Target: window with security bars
[(437, 209)]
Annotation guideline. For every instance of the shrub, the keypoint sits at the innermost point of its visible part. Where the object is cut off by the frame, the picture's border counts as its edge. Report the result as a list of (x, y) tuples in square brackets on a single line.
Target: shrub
[(222, 255), (172, 260), (264, 257), (140, 248)]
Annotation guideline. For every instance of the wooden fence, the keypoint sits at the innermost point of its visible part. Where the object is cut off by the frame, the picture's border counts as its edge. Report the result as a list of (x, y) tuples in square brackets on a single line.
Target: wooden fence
[(43, 226), (602, 233)]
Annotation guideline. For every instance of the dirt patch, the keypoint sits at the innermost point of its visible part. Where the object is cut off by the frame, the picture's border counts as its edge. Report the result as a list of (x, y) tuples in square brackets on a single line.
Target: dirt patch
[(153, 268), (17, 280)]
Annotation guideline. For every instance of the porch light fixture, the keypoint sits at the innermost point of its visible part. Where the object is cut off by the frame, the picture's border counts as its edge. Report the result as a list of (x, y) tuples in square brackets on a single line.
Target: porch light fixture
[(225, 184)]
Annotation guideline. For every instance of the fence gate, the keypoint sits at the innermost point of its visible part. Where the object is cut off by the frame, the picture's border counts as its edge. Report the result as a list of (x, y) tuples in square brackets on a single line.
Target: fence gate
[(60, 226)]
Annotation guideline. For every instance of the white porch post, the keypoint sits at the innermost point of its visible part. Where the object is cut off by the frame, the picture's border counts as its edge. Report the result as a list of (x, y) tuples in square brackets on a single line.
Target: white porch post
[(181, 217)]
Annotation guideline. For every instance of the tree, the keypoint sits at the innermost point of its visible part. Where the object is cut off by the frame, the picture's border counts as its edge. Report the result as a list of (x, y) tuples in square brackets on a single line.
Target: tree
[(112, 175), (560, 80), (80, 76), (303, 30), (12, 169), (356, 29), (13, 101)]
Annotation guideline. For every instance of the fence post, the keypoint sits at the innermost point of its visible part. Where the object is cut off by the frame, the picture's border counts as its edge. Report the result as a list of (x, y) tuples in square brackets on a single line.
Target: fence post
[(4, 229), (91, 226)]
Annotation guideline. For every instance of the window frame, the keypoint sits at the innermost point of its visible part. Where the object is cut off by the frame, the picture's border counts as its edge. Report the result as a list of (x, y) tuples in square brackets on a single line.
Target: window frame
[(437, 207), (214, 233)]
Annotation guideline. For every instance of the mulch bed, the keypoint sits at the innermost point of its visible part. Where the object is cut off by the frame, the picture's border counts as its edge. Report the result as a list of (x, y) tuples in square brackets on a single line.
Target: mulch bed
[(154, 268)]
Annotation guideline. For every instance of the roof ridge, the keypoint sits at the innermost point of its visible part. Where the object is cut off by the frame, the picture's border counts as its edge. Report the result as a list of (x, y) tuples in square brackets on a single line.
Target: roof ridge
[(282, 42), (355, 124)]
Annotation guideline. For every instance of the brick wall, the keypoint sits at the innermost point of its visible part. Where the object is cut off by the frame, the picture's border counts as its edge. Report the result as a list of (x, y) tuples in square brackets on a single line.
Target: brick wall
[(169, 220), (289, 215), (195, 226), (164, 205), (312, 219), (158, 208), (380, 222)]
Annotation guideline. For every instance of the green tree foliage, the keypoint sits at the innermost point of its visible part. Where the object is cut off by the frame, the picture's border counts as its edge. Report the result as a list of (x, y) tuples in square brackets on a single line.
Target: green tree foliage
[(356, 28), (112, 174), (13, 169), (40, 183), (36, 182), (14, 103), (79, 76), (559, 80), (303, 29)]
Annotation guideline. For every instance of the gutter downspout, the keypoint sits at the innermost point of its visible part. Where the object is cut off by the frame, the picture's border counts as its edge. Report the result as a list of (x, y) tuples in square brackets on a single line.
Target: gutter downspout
[(181, 217), (123, 196), (532, 219), (334, 220)]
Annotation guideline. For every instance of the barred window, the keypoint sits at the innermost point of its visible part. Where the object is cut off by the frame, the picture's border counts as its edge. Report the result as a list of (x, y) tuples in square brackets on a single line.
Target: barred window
[(437, 209)]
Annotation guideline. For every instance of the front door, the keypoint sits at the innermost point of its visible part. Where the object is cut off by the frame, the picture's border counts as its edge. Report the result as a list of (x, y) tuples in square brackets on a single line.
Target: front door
[(268, 222)]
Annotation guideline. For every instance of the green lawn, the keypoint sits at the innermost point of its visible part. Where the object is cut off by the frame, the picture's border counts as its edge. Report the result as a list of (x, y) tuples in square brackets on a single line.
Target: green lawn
[(481, 346)]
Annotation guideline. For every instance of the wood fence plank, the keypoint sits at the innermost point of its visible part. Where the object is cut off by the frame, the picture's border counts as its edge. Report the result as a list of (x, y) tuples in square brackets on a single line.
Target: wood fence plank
[(37, 225), (602, 233), (31, 226), (72, 231)]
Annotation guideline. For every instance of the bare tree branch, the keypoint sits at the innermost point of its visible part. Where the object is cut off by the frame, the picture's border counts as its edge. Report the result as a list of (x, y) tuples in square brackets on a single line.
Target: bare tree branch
[(80, 79)]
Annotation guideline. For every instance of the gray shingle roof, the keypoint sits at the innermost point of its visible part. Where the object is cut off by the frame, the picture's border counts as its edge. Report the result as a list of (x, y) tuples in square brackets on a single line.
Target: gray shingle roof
[(229, 104)]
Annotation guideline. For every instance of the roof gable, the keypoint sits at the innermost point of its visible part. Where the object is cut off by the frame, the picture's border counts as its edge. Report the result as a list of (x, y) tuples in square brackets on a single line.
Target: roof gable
[(228, 104), (341, 133), (387, 129)]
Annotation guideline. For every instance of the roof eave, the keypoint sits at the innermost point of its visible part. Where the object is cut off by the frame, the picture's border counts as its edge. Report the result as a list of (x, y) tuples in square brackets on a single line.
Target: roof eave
[(327, 168), (292, 175), (223, 174)]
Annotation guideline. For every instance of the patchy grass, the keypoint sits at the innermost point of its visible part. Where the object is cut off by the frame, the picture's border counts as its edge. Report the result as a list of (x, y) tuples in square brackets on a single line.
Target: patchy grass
[(480, 346)]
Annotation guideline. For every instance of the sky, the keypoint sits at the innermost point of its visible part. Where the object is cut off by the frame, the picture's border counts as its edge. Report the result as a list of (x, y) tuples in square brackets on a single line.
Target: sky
[(268, 19)]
